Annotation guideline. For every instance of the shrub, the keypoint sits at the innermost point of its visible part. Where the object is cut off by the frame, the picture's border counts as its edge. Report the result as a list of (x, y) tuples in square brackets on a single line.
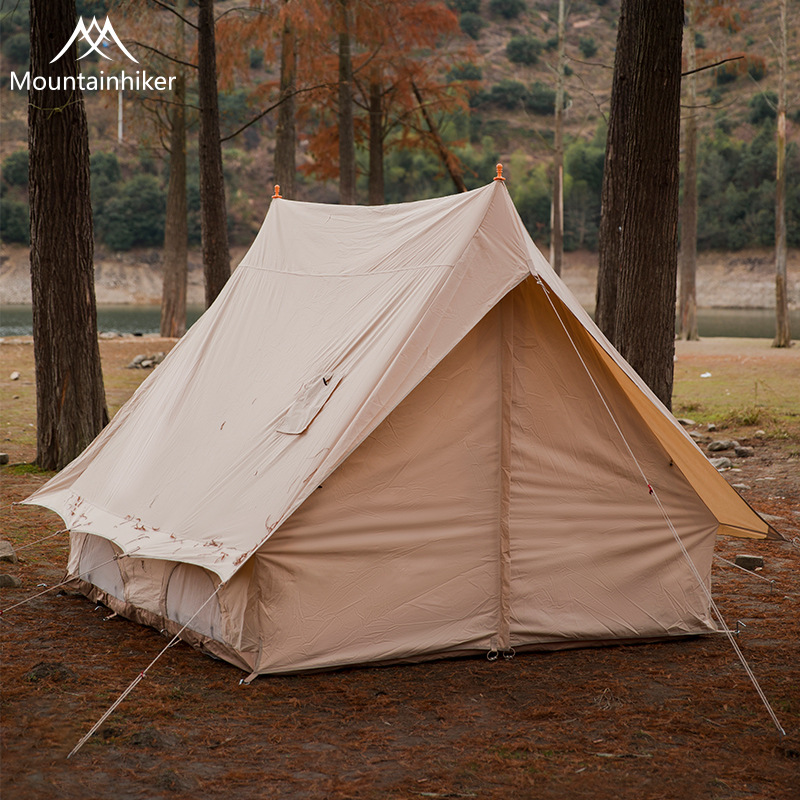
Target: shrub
[(587, 46), (726, 73), (756, 68), (541, 99), (551, 44), (508, 94), (508, 9), (17, 49), (762, 106), (472, 24), (523, 49), (135, 216), (14, 222), (15, 168), (463, 6), (465, 72), (699, 40)]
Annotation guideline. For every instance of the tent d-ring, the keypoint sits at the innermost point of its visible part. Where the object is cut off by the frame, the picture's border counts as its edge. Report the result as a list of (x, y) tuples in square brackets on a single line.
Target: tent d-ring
[(509, 654), (492, 655)]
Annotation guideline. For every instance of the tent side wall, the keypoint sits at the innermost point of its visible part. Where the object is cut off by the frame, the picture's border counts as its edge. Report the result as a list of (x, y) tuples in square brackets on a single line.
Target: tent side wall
[(394, 557), (592, 556)]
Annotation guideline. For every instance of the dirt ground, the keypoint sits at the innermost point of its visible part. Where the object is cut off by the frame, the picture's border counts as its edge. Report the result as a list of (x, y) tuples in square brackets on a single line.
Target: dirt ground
[(677, 719)]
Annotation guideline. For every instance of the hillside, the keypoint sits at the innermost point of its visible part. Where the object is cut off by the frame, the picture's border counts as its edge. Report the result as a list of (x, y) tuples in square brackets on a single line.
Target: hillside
[(509, 119)]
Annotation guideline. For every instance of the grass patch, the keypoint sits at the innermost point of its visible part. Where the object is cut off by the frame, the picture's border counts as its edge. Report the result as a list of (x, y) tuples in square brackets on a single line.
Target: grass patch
[(26, 469)]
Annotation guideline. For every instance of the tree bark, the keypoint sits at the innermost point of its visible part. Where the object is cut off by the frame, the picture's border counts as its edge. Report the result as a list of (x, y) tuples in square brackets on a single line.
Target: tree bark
[(783, 336), (642, 197), (347, 141), (687, 304), (557, 227), (376, 187), (213, 215), (285, 130), (70, 399), (176, 229)]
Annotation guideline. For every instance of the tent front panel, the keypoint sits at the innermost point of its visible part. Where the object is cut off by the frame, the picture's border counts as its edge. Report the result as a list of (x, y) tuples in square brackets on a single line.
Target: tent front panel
[(395, 555), (592, 555)]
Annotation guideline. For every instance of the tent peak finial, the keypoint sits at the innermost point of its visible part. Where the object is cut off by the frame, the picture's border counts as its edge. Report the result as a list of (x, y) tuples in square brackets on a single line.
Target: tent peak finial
[(499, 176), (277, 191)]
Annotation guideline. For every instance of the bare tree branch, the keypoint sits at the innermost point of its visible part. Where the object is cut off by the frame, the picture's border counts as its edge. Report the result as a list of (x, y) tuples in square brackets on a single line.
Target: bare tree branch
[(161, 53), (173, 11), (710, 66), (274, 106)]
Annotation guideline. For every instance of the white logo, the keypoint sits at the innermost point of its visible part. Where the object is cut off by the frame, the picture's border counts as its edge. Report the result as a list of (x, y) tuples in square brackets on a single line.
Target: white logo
[(106, 32)]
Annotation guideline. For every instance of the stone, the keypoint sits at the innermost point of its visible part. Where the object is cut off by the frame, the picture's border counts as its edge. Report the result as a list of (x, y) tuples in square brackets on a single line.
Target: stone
[(147, 363), (7, 552), (10, 582), (743, 452), (772, 518), (721, 463), (3, 458), (741, 486), (748, 562), (719, 445), (14, 376), (687, 423), (711, 426)]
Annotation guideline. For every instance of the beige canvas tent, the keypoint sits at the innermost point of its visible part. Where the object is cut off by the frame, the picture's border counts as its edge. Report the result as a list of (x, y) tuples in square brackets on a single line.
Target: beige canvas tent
[(396, 435)]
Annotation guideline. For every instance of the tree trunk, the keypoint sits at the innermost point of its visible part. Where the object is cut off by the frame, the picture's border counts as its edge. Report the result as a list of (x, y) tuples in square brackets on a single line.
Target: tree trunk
[(376, 188), (687, 305), (347, 141), (285, 131), (70, 399), (783, 336), (557, 228), (176, 231), (213, 216), (644, 131), (608, 245)]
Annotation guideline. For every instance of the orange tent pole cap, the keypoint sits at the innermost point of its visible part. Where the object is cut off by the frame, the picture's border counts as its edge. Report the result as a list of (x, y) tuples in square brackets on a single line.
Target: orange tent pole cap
[(277, 190), (499, 176)]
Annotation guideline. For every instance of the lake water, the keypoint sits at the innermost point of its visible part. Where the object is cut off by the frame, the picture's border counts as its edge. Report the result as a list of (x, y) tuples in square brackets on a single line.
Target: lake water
[(748, 323)]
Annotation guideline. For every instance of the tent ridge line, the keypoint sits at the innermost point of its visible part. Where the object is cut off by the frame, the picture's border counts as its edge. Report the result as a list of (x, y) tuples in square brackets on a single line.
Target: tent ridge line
[(346, 274)]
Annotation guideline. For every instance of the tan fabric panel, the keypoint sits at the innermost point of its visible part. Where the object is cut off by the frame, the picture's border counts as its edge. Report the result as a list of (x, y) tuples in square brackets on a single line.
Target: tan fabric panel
[(96, 565), (735, 516), (188, 592), (592, 557), (397, 554)]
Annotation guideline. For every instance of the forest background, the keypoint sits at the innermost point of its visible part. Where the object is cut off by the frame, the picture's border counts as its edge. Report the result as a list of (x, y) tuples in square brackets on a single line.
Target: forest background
[(489, 96)]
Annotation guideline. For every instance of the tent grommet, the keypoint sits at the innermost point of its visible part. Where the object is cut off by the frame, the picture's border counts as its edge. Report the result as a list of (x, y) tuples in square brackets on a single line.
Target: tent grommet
[(492, 655)]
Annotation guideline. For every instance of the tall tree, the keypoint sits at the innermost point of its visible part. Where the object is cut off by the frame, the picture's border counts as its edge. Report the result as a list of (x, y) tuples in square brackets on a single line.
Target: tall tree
[(176, 229), (557, 227), (70, 399), (639, 243), (347, 141), (285, 130), (687, 303), (783, 337), (213, 215)]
